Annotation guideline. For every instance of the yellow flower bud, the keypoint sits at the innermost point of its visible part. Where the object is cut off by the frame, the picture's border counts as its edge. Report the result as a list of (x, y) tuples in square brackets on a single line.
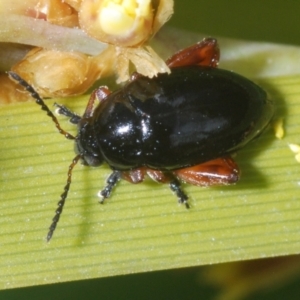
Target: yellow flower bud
[(123, 23)]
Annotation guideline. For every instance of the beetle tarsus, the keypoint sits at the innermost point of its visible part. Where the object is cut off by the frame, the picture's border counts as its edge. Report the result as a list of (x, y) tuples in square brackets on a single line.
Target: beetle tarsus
[(62, 110), (182, 197), (111, 181)]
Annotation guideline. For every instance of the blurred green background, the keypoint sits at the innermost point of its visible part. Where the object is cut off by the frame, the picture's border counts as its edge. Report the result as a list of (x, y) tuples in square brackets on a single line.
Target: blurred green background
[(260, 20)]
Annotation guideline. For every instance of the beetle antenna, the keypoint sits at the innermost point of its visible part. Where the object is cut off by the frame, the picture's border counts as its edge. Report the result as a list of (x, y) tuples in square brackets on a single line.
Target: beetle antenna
[(63, 198), (40, 102)]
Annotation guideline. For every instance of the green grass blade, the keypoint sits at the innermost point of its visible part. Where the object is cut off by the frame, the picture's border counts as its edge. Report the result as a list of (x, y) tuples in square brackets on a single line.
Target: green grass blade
[(141, 228)]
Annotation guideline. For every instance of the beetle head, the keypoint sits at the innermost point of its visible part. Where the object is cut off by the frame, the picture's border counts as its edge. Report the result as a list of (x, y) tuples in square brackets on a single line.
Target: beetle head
[(86, 144)]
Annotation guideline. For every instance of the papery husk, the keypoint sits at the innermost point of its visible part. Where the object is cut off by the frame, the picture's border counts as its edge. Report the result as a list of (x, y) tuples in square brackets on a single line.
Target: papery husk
[(164, 12), (58, 74), (74, 3), (146, 61), (54, 11), (11, 92), (61, 13)]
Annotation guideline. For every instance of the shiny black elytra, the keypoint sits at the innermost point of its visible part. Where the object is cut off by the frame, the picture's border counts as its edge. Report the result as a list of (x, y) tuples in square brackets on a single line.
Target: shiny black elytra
[(178, 126)]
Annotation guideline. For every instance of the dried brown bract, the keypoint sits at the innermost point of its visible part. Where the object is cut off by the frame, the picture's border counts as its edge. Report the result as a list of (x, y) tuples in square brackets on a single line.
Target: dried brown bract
[(124, 26)]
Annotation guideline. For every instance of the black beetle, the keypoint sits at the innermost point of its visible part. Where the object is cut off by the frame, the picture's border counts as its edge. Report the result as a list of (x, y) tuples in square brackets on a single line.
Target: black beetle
[(178, 126)]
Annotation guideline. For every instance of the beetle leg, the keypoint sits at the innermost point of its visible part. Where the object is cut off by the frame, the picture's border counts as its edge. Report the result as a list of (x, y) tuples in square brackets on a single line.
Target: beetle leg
[(62, 110), (182, 197), (204, 53), (220, 171), (99, 94), (159, 176), (135, 175), (135, 76), (111, 181), (164, 177)]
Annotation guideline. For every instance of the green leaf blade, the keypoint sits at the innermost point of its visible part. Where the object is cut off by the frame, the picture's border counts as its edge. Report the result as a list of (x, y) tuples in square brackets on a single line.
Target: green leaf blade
[(141, 227)]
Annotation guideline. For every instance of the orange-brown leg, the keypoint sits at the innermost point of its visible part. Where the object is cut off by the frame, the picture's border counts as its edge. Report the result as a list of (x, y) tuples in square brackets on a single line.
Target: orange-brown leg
[(220, 171), (135, 175), (138, 175), (99, 94), (167, 177), (204, 53), (159, 176)]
